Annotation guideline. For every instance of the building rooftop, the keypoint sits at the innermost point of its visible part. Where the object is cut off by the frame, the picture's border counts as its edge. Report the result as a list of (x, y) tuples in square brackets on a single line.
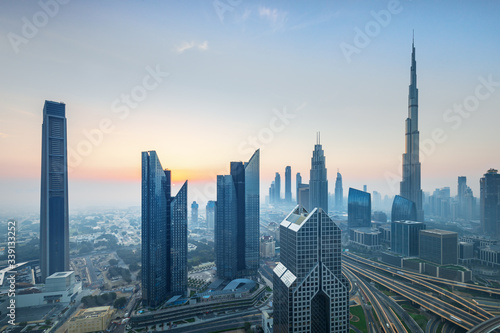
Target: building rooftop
[(98, 311), (60, 275), (439, 232), (408, 222)]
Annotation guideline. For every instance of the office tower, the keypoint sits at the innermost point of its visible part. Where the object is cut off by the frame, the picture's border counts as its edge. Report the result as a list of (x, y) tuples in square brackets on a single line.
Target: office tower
[(210, 213), (237, 227), (288, 184), (490, 203), (339, 193), (359, 209), (194, 213), (377, 200), (469, 203), (440, 203), (164, 234), (405, 237), (298, 182), (318, 183), (410, 185), (277, 188), (310, 292), (365, 188), (439, 246), (303, 196), (403, 209), (462, 186), (54, 225)]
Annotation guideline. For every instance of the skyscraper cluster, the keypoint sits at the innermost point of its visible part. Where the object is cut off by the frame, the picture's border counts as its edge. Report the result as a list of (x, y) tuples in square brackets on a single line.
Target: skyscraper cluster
[(237, 220), (164, 234)]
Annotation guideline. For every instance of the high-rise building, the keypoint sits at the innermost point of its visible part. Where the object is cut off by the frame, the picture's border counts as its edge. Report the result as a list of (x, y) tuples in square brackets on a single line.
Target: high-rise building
[(439, 246), (310, 292), (339, 193), (164, 234), (272, 195), (54, 225), (237, 227), (210, 213), (288, 184), (359, 209), (403, 209), (405, 237), (490, 203), (318, 183), (298, 182), (194, 212), (410, 185), (303, 196), (277, 188), (365, 188)]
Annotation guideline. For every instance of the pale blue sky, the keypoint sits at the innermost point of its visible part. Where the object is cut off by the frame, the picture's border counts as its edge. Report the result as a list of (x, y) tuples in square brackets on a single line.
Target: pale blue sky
[(228, 71)]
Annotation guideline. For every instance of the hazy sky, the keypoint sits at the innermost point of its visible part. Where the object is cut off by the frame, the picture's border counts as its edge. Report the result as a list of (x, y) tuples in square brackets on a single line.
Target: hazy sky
[(204, 83)]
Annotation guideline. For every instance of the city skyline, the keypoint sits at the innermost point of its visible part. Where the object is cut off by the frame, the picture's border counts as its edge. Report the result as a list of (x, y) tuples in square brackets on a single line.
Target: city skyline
[(256, 88)]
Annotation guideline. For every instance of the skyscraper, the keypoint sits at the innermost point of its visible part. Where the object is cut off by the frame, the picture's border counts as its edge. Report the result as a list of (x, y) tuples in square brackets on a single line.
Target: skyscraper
[(288, 184), (405, 237), (318, 183), (194, 212), (339, 192), (164, 234), (461, 188), (403, 209), (298, 182), (310, 292), (359, 209), (410, 185), (210, 213), (237, 226), (277, 188), (54, 225), (490, 203)]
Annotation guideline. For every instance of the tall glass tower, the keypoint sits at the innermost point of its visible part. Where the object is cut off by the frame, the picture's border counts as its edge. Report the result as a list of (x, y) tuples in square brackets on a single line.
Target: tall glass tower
[(410, 187), (54, 226), (318, 183), (339, 192), (164, 234), (288, 184), (310, 292), (237, 220)]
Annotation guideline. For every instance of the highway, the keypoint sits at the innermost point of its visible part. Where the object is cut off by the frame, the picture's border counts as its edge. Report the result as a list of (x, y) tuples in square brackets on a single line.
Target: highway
[(227, 322), (431, 303), (492, 325)]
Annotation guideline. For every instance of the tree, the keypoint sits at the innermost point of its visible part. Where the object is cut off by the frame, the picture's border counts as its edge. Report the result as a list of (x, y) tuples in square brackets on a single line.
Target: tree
[(120, 303)]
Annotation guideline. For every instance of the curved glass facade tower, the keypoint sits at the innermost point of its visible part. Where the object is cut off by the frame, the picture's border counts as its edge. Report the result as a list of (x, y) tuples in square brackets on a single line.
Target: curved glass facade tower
[(359, 209), (403, 209)]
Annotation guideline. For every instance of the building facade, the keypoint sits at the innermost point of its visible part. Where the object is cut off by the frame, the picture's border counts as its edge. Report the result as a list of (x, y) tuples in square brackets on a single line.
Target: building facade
[(210, 214), (339, 193), (490, 203), (310, 292), (410, 187), (318, 181), (359, 209), (439, 246), (54, 213), (403, 209), (405, 237), (288, 184), (164, 234), (194, 212), (298, 183)]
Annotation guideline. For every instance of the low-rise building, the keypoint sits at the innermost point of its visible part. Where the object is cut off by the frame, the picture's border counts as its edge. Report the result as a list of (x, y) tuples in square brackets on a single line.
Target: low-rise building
[(90, 320)]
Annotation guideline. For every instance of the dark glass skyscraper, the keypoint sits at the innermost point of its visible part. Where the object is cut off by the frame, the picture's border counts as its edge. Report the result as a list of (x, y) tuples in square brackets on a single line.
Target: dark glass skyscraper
[(339, 193), (277, 188), (164, 234), (210, 214), (194, 212), (318, 183), (237, 226), (403, 209), (310, 293), (288, 184), (54, 225), (490, 203), (405, 237), (359, 209), (410, 185), (298, 182)]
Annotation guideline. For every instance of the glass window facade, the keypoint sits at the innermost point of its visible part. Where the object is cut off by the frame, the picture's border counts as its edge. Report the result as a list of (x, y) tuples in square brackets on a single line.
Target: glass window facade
[(359, 209), (403, 209)]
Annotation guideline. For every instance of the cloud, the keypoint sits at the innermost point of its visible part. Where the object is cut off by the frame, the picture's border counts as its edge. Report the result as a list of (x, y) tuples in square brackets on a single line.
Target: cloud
[(276, 18), (189, 45)]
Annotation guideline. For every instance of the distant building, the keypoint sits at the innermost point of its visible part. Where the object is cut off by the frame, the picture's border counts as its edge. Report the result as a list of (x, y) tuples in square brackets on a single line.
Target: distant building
[(339, 193), (379, 217), (405, 237), (54, 211), (164, 234), (288, 184), (318, 181), (365, 237), (237, 220), (359, 209), (277, 188), (267, 247), (210, 213), (303, 196), (465, 251), (310, 292), (490, 203), (439, 246), (91, 320), (272, 193), (403, 209), (298, 183), (490, 255), (194, 212)]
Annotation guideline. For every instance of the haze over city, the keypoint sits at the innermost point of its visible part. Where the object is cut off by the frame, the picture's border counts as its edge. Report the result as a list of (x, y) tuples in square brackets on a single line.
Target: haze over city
[(215, 84)]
